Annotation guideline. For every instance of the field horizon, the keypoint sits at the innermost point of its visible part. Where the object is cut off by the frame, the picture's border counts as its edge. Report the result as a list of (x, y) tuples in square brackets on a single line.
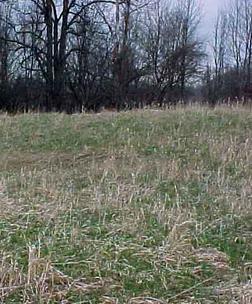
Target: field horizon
[(145, 206)]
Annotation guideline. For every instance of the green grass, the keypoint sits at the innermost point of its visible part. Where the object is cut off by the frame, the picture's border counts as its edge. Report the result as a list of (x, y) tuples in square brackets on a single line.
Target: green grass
[(136, 207)]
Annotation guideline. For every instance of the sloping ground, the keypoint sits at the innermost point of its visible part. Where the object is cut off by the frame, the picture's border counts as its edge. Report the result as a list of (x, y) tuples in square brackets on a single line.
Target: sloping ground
[(136, 207)]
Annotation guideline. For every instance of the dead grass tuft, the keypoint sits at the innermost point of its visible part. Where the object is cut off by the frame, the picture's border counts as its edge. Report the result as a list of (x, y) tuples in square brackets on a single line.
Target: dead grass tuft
[(240, 294), (145, 300), (219, 260), (42, 281)]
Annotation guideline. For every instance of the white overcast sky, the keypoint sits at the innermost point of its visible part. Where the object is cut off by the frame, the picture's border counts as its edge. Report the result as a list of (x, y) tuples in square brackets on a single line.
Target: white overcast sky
[(210, 10)]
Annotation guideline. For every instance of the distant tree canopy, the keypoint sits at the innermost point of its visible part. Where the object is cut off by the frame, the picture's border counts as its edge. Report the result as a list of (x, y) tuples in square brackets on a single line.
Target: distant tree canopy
[(82, 55)]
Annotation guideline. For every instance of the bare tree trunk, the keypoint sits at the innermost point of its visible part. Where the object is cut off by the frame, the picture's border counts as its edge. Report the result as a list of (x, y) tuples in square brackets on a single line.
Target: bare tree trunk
[(49, 55)]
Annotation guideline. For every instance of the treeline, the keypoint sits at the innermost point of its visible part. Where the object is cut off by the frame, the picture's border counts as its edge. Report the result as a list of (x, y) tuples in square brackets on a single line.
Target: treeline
[(82, 55), (228, 78)]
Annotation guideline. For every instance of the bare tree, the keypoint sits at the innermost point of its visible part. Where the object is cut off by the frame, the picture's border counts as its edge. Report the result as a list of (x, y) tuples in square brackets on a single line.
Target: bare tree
[(124, 70), (219, 55), (5, 12), (174, 52), (232, 51), (51, 24)]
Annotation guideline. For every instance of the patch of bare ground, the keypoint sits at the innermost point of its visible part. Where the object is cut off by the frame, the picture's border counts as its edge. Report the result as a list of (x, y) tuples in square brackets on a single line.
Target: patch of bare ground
[(19, 160)]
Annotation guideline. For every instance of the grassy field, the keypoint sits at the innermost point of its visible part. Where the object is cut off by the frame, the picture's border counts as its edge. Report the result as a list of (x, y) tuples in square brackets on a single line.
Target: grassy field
[(138, 207)]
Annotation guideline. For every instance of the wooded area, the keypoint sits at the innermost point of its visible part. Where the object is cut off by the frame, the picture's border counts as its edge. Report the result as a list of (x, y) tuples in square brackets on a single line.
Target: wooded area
[(82, 55)]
